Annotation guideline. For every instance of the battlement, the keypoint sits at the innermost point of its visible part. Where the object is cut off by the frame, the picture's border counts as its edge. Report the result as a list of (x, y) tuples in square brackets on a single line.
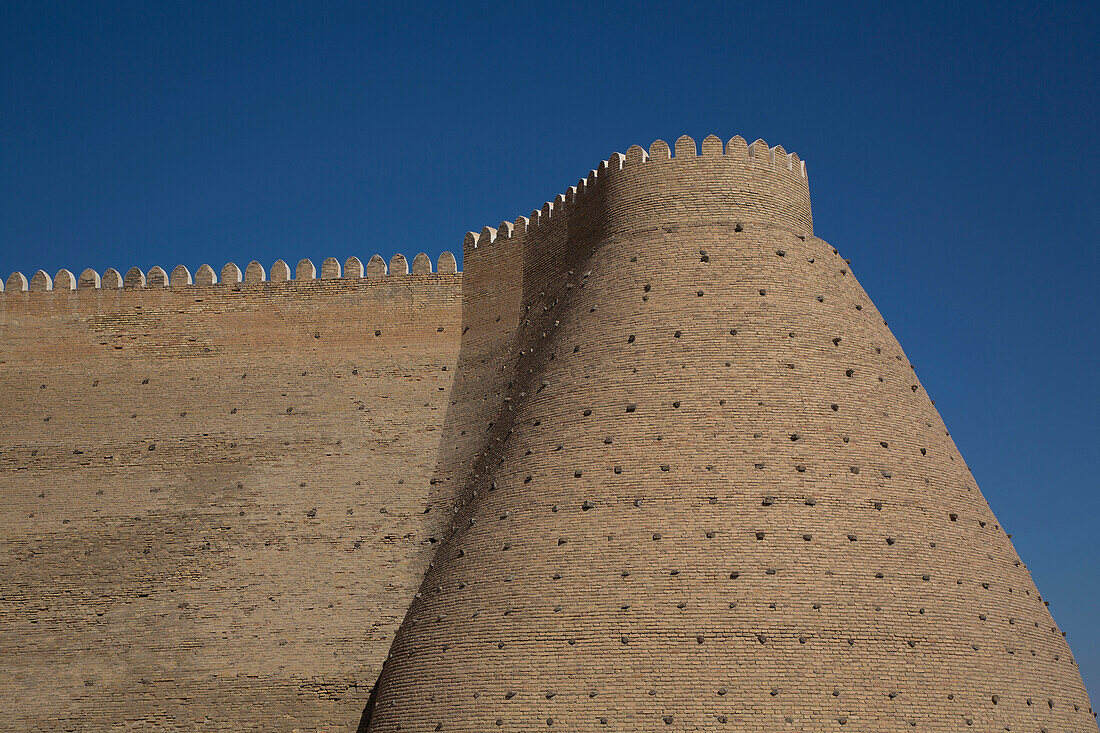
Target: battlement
[(755, 182), (761, 183), (732, 185), (230, 275)]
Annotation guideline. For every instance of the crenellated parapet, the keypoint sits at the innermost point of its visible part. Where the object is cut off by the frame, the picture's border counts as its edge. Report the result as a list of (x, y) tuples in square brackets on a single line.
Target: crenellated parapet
[(734, 178), (230, 274), (734, 182)]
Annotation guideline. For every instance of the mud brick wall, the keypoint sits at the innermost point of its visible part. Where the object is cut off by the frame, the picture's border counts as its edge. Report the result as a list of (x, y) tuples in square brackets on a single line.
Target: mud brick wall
[(714, 495), (653, 461), (214, 495)]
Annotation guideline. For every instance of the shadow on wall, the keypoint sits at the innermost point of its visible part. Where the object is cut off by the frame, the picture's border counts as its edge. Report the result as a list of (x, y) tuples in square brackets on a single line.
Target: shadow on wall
[(479, 377), (487, 361), (364, 720)]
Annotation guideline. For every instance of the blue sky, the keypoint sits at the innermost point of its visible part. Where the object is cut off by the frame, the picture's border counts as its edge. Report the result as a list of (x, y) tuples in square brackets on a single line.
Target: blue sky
[(951, 147)]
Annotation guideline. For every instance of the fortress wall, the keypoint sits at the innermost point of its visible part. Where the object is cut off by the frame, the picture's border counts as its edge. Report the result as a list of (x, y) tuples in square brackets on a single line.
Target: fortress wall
[(215, 494), (715, 496), (682, 474)]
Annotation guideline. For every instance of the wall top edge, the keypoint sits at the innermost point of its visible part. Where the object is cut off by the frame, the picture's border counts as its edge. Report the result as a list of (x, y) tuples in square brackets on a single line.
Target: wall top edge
[(230, 274), (736, 151)]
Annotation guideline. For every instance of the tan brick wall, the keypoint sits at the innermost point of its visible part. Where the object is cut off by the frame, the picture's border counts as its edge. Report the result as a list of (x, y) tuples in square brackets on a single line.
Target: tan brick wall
[(684, 478), (214, 496), (714, 495)]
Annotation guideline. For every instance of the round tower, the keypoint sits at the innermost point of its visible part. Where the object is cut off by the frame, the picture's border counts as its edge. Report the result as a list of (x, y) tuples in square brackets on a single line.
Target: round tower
[(707, 490)]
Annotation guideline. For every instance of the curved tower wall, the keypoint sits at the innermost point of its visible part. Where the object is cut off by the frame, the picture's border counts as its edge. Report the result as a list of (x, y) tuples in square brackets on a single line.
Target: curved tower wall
[(708, 491)]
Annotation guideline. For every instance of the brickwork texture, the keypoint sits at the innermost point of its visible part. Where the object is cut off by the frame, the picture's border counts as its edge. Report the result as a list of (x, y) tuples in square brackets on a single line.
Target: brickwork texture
[(653, 461), (215, 496)]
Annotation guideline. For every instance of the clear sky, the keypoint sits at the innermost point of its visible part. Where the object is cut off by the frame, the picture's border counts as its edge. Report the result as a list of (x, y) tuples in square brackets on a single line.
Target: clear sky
[(951, 148)]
